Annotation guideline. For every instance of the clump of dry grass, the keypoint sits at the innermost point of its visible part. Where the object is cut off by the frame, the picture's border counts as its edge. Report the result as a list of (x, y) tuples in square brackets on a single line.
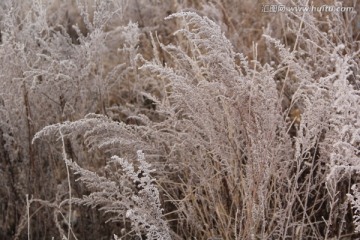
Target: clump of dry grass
[(251, 128)]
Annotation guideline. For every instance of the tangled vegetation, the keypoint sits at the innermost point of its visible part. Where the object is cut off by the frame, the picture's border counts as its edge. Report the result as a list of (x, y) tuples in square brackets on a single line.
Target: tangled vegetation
[(181, 119)]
